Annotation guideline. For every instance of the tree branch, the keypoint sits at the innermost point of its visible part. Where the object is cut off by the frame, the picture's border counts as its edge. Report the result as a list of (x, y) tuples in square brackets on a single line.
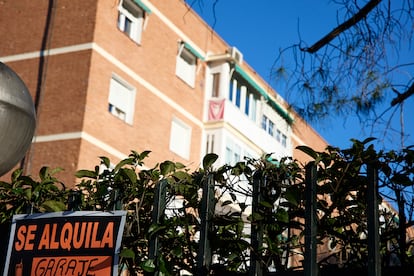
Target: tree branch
[(343, 27), (403, 96)]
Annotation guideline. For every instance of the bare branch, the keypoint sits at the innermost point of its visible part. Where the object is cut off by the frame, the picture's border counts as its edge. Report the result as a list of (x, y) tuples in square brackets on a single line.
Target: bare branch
[(343, 27), (403, 96)]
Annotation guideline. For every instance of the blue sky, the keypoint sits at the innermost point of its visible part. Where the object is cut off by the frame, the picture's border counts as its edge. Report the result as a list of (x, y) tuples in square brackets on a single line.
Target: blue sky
[(259, 30)]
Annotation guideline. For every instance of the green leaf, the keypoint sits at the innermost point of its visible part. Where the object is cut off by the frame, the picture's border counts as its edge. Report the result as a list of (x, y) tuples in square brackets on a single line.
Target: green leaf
[(5, 185), (266, 204), (177, 251), (56, 170), (256, 217), (85, 173), (25, 180), (282, 215), (148, 265), (130, 174), (155, 228), (209, 160), (144, 154), (53, 206), (181, 175), (309, 151), (126, 161), (167, 167), (179, 166), (44, 173), (28, 193), (233, 256), (105, 161), (127, 253), (369, 139), (292, 196), (162, 267), (16, 174)]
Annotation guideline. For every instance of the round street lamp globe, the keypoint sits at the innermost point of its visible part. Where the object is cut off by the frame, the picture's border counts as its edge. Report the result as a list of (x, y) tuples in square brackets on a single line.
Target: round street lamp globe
[(17, 119)]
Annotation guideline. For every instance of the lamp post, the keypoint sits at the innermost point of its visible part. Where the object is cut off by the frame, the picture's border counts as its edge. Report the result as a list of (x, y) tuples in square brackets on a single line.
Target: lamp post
[(17, 119)]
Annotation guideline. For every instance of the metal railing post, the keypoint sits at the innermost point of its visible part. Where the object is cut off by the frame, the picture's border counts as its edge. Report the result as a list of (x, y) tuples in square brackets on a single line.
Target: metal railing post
[(310, 262), (206, 214), (374, 259), (157, 213), (259, 182)]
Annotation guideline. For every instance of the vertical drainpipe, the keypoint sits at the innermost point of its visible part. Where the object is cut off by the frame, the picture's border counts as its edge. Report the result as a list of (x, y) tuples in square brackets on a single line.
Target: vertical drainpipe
[(26, 163)]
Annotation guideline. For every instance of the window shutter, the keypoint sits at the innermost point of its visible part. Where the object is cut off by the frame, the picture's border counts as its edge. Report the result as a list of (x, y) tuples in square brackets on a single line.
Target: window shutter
[(119, 95)]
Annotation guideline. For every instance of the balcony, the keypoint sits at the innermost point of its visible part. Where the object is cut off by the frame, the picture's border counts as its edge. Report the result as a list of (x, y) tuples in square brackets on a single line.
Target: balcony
[(222, 110)]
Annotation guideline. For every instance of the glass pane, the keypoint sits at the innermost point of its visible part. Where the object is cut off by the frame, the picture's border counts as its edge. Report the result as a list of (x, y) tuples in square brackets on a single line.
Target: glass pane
[(216, 85), (247, 106), (188, 57), (238, 96), (229, 154), (127, 26), (264, 122), (284, 138), (278, 135), (270, 130), (231, 91)]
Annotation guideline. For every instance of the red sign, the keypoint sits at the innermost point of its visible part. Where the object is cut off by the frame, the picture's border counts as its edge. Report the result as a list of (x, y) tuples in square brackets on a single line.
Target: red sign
[(68, 243)]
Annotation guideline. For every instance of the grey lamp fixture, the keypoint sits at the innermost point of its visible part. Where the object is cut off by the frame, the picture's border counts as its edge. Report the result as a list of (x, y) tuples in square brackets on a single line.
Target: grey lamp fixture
[(17, 119)]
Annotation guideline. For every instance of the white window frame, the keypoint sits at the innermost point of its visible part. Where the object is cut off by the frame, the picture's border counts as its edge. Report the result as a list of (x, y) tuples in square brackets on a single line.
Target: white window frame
[(180, 138), (137, 21), (186, 66), (121, 99)]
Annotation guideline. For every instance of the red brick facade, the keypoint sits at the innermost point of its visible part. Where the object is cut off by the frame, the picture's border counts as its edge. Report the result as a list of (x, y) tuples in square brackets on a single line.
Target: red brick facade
[(67, 53)]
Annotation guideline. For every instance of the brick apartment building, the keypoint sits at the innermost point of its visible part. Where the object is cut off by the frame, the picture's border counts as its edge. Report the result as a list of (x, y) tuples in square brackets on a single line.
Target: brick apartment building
[(111, 76)]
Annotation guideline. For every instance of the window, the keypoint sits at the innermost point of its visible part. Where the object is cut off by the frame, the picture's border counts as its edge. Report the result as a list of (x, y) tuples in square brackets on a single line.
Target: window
[(131, 19), (121, 100), (233, 85), (229, 155), (247, 106), (238, 95), (284, 140), (233, 154), (180, 139), (270, 128), (252, 107), (243, 96), (215, 85), (210, 143), (186, 65), (278, 135), (264, 122)]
